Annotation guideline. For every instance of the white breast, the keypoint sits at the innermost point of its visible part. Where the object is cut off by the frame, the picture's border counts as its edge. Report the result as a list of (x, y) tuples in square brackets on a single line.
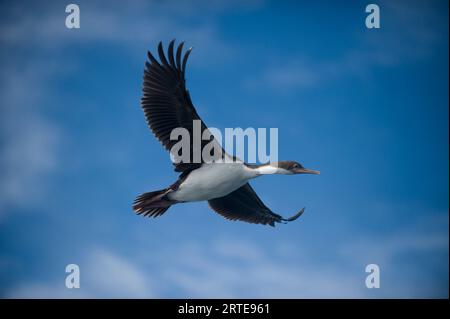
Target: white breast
[(212, 181)]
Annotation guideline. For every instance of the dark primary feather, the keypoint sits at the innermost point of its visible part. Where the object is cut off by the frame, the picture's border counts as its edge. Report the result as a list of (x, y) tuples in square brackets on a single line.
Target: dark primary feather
[(166, 101), (244, 204)]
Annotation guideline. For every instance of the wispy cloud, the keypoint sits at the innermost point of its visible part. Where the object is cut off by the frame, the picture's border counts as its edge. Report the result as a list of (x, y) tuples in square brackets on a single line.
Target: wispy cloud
[(243, 268), (139, 24), (224, 268), (240, 269), (30, 141), (108, 274), (103, 274), (406, 36)]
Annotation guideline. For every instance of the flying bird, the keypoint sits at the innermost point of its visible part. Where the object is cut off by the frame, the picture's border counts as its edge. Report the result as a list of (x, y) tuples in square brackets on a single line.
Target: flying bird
[(222, 181)]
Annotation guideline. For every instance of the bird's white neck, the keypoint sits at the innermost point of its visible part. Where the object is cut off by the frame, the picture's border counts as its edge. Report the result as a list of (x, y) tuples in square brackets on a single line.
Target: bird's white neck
[(269, 169)]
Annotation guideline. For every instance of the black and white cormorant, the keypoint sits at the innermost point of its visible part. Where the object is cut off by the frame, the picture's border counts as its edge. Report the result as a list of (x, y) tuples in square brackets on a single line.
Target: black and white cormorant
[(223, 181)]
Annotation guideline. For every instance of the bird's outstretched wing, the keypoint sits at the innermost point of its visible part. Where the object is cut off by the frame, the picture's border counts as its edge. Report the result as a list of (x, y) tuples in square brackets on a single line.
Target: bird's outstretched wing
[(244, 204), (167, 104)]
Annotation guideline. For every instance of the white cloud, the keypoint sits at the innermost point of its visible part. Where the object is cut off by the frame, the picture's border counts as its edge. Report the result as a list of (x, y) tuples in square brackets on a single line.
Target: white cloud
[(219, 269), (423, 242), (30, 141), (241, 269), (103, 274), (292, 75), (139, 24), (408, 34), (244, 268), (427, 234), (111, 275)]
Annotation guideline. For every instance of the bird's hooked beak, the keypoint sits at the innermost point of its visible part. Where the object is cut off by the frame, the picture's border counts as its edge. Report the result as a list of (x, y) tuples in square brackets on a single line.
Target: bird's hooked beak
[(304, 171)]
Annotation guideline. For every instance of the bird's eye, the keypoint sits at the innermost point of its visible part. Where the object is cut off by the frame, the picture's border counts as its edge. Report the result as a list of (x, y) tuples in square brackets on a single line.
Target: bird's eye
[(295, 166)]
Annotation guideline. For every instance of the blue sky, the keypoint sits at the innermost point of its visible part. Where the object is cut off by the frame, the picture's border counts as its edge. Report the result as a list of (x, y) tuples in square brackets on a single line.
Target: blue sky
[(369, 108)]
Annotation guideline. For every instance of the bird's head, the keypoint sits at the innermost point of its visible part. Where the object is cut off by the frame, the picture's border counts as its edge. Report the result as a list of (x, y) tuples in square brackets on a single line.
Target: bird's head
[(291, 167)]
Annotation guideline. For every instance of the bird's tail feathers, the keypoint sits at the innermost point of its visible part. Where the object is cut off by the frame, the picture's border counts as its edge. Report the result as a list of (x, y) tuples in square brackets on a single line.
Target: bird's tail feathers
[(152, 204)]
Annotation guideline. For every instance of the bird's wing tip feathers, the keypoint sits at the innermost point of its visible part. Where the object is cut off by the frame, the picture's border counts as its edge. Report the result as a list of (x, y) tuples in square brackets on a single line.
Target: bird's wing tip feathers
[(290, 219)]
